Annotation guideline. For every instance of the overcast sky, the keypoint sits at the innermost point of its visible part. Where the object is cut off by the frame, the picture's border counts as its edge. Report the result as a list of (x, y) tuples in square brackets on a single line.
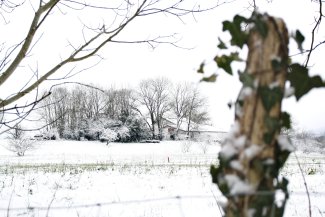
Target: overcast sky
[(125, 65)]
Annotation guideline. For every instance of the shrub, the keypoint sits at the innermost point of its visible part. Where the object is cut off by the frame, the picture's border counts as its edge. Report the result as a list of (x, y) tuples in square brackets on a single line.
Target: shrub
[(108, 135), (19, 143)]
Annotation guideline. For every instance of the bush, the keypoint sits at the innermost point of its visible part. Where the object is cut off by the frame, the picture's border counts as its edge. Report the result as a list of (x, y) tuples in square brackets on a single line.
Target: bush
[(19, 143), (108, 135), (20, 146), (51, 134), (123, 134)]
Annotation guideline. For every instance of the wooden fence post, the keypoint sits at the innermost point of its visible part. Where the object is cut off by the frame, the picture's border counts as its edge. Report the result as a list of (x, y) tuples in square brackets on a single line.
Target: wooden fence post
[(254, 151)]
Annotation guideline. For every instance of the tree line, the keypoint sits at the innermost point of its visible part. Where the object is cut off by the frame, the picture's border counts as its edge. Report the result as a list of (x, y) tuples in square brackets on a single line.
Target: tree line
[(123, 114)]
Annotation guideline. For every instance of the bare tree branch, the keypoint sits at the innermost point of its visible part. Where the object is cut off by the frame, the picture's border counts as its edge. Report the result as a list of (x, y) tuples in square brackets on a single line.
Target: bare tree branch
[(123, 13), (318, 22)]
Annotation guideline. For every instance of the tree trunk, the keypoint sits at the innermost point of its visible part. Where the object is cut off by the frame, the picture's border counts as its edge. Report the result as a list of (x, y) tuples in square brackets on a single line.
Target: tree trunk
[(189, 123), (251, 156), (152, 125)]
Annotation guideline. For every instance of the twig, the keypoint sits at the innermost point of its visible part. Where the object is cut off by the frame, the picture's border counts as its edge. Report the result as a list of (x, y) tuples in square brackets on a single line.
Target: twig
[(50, 204), (305, 184), (219, 206), (8, 208), (318, 22)]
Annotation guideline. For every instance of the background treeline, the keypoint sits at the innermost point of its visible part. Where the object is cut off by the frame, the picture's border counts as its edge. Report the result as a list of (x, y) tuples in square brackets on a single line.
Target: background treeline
[(122, 114)]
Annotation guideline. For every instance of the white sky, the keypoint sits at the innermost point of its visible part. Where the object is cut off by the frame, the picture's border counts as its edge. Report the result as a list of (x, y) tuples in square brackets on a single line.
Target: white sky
[(128, 64)]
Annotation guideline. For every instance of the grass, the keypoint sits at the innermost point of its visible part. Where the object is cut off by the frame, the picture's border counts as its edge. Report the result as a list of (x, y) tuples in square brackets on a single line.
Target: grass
[(89, 167)]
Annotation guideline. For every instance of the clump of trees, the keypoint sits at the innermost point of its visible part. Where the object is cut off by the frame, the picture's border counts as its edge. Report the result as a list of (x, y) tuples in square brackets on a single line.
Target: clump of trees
[(93, 114), (123, 115), (165, 101)]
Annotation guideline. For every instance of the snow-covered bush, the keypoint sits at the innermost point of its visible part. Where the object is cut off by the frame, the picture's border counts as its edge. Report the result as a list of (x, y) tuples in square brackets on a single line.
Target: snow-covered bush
[(19, 142), (52, 134), (138, 129), (108, 135), (123, 134), (68, 134)]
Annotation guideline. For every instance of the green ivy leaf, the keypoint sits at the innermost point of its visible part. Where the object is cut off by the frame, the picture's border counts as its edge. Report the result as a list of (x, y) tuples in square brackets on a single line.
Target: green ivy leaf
[(279, 64), (224, 61), (268, 137), (276, 65), (270, 96), (238, 37), (272, 124), (301, 81), (246, 79), (201, 68), (260, 24), (299, 38), (211, 78), (285, 120), (221, 44)]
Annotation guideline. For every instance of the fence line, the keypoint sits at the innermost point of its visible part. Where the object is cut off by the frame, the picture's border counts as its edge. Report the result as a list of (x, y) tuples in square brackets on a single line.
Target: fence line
[(142, 201)]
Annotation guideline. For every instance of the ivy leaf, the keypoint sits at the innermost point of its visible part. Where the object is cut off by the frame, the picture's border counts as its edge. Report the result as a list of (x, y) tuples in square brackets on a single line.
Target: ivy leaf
[(270, 97), (276, 64), (260, 24), (211, 78), (238, 37), (221, 44), (247, 79), (272, 124), (201, 69), (224, 61), (301, 81), (267, 138), (285, 120), (299, 38)]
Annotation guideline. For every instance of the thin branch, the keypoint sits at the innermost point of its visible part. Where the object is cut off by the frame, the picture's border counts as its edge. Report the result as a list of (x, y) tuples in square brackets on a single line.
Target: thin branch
[(318, 22), (305, 184), (78, 83)]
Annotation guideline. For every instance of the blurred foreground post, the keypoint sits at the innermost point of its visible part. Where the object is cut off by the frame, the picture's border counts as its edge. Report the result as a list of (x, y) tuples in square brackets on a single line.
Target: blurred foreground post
[(254, 152)]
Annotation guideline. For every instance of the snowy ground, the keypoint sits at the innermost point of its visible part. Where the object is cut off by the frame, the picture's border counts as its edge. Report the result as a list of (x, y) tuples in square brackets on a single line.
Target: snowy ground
[(65, 178)]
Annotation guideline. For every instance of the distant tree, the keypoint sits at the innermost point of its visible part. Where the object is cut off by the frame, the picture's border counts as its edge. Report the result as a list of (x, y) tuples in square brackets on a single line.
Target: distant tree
[(197, 106), (180, 102), (188, 104), (146, 97), (162, 88), (153, 95)]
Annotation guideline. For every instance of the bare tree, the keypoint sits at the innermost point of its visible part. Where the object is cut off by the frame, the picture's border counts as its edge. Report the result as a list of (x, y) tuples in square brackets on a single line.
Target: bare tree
[(197, 113), (146, 97), (161, 88), (153, 95), (180, 102), (15, 57)]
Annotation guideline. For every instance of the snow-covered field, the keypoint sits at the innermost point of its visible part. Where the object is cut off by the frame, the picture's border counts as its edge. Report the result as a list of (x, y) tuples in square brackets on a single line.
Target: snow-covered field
[(65, 178)]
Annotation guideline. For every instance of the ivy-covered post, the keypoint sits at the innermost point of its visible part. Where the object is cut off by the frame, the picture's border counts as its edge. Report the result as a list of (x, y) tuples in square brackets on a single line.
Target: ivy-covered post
[(254, 151)]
